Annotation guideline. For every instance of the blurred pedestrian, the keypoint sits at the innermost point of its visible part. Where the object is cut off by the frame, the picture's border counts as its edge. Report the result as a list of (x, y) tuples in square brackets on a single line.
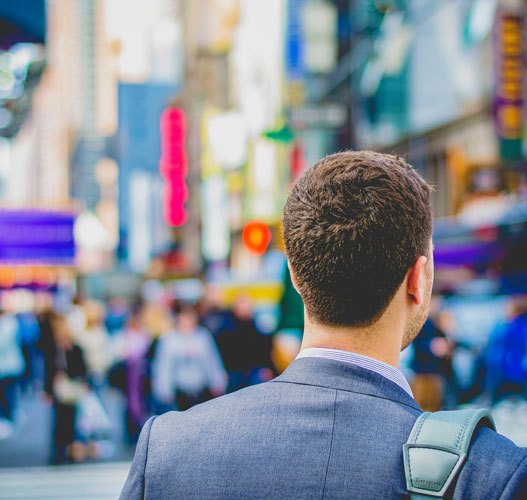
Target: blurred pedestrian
[(132, 345), (29, 334), (156, 321), (94, 341), (187, 366), (245, 350), (11, 369), (212, 312), (431, 366), (66, 383), (76, 316), (431, 361), (116, 314), (506, 353)]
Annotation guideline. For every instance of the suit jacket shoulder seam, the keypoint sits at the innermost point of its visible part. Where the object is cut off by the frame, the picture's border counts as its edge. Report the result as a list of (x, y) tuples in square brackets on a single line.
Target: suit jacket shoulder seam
[(330, 443), (352, 392)]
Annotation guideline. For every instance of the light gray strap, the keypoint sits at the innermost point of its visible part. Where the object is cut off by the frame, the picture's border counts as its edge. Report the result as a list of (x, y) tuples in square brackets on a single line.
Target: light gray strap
[(437, 449)]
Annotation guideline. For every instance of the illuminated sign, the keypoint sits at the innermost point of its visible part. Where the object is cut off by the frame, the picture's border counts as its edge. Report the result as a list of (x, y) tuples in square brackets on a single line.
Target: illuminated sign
[(34, 277), (509, 63), (256, 237), (36, 237), (173, 166)]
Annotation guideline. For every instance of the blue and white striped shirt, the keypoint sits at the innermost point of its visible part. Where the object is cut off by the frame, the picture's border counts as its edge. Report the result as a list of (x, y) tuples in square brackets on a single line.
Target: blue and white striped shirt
[(384, 369)]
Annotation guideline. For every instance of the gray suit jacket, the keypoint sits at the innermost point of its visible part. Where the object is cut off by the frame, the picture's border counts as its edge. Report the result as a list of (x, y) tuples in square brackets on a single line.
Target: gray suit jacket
[(323, 429)]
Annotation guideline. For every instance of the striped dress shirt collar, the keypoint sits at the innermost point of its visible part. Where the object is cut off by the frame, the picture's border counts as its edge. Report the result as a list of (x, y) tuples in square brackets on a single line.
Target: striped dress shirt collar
[(387, 371)]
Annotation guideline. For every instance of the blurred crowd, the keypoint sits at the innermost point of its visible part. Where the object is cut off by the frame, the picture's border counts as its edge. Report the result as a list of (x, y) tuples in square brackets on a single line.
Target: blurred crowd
[(172, 354), (497, 369), (159, 356)]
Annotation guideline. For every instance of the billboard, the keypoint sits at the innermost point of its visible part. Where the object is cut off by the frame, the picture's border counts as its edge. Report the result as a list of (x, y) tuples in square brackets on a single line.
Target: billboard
[(37, 237), (509, 81)]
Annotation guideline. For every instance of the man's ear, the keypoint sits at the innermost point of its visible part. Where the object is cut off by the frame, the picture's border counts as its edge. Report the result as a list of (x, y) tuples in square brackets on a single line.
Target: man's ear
[(293, 277), (416, 281)]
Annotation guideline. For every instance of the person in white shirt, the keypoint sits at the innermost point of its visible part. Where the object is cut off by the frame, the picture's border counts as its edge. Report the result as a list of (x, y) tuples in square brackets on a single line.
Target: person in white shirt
[(94, 341), (187, 368)]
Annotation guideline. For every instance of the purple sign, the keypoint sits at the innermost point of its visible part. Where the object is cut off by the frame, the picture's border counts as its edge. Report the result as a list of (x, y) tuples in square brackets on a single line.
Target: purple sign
[(468, 254), (37, 237)]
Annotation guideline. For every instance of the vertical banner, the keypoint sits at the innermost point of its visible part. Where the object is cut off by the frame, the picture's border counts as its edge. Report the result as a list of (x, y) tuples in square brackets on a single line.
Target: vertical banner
[(509, 80), (173, 166)]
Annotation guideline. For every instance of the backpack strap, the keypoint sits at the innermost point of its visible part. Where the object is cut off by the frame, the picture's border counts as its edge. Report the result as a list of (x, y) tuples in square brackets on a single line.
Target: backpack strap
[(437, 449)]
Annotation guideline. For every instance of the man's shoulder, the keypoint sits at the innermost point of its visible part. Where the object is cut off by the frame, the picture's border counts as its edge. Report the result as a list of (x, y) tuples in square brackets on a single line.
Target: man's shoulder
[(490, 445), (245, 400), (271, 420), (487, 440), (494, 463), (202, 428)]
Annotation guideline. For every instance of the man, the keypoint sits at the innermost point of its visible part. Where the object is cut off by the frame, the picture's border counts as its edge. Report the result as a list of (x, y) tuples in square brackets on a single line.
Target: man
[(357, 231)]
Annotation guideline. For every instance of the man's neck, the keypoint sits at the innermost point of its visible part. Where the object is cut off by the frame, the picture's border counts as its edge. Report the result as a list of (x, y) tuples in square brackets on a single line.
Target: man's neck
[(380, 341)]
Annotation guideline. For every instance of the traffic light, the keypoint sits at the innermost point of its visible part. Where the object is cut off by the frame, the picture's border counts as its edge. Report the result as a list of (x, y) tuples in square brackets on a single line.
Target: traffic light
[(256, 237)]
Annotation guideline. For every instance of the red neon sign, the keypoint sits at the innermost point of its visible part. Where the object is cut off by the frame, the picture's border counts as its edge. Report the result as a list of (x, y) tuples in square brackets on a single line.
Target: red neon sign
[(256, 237), (173, 166)]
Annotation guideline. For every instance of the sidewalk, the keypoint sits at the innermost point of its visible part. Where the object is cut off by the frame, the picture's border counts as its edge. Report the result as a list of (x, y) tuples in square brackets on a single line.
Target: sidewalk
[(83, 482)]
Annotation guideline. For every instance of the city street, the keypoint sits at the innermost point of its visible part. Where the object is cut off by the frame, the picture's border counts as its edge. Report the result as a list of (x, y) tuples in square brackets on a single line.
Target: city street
[(199, 196)]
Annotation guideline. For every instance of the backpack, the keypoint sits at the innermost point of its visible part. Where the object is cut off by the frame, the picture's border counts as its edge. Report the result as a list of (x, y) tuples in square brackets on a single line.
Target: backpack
[(437, 449)]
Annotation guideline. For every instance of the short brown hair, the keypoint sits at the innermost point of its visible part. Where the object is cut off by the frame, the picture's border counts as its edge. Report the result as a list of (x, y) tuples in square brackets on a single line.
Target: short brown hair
[(354, 224)]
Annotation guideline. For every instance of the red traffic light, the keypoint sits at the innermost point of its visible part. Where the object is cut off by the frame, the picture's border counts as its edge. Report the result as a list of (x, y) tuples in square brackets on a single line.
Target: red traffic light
[(256, 237)]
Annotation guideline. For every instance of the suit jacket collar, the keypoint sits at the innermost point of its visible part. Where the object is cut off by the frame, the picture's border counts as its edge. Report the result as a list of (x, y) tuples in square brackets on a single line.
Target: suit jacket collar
[(346, 377)]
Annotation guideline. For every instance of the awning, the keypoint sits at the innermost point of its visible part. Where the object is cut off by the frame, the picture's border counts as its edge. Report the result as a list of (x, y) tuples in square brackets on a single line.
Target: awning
[(22, 22)]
